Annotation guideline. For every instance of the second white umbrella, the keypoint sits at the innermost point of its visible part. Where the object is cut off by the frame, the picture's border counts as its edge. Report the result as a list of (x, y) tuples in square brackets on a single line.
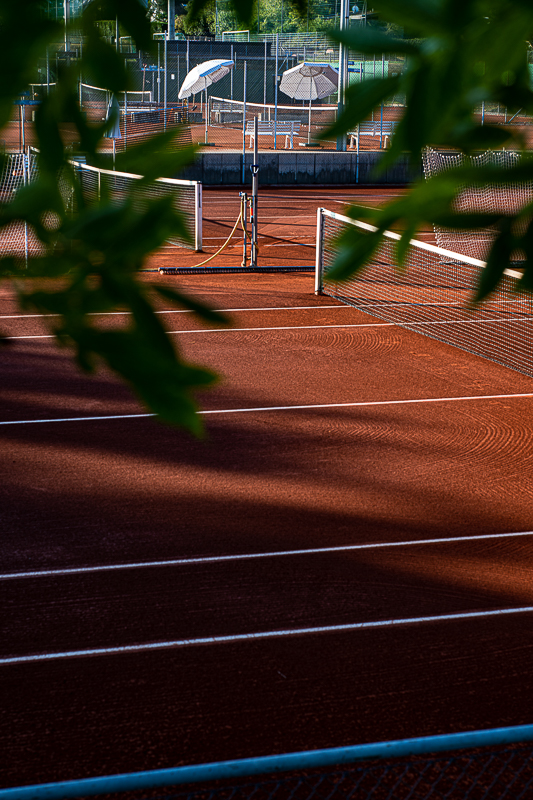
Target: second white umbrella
[(309, 81)]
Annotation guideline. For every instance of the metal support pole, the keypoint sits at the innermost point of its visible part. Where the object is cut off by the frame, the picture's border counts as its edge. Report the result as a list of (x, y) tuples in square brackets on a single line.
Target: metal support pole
[(244, 206), (165, 92), (357, 157), (66, 8), (343, 70), (244, 121), (171, 20), (198, 217), (159, 73), (206, 114), (255, 190), (25, 178), (265, 78), (22, 136), (319, 250), (231, 74), (276, 93)]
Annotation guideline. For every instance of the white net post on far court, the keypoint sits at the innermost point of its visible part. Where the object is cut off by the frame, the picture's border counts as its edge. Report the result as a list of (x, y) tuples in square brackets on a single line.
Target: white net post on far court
[(186, 196)]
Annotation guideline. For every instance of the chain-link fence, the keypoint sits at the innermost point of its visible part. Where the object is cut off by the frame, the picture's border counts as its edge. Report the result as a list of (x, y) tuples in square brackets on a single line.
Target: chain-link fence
[(222, 116)]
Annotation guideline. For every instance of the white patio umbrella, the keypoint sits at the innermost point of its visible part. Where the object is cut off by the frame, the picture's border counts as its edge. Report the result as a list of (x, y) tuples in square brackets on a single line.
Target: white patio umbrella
[(113, 113), (202, 76), (309, 81)]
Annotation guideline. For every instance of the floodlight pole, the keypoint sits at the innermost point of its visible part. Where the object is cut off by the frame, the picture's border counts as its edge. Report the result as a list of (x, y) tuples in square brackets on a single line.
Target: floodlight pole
[(171, 20), (343, 69)]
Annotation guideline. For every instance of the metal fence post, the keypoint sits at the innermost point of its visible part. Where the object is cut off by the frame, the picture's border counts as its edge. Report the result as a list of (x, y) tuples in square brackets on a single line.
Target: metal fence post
[(231, 74), (244, 121), (165, 92), (265, 78), (276, 94), (25, 178), (255, 190), (343, 70)]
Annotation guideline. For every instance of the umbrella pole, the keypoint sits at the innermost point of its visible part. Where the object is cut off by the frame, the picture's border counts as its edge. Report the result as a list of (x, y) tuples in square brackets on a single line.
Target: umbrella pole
[(309, 131), (206, 114)]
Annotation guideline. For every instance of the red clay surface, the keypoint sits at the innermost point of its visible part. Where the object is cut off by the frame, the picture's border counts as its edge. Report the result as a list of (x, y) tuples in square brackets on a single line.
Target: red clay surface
[(286, 227), (119, 491)]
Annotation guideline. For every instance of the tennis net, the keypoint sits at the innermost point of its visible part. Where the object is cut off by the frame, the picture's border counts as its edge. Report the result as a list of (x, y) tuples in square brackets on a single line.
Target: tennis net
[(431, 295), (186, 196)]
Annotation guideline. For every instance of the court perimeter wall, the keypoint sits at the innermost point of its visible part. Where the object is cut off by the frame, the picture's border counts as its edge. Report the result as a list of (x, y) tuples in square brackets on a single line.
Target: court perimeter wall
[(293, 167)]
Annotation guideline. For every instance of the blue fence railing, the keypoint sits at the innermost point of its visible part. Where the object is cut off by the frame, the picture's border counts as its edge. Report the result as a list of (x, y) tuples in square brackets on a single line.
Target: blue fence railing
[(479, 765)]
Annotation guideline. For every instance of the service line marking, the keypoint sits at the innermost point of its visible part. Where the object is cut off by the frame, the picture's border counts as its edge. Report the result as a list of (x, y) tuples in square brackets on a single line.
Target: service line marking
[(176, 562), (247, 330), (259, 409), (247, 637), (183, 311)]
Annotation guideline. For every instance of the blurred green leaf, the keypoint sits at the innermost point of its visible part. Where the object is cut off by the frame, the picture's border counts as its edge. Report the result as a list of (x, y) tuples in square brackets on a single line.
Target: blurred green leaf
[(497, 261), (157, 157), (372, 40), (423, 16), (131, 16), (361, 100)]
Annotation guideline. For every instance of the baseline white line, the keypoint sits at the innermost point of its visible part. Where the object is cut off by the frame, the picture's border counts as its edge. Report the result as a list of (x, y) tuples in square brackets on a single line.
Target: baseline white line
[(176, 562), (247, 330), (284, 408), (182, 311), (247, 637)]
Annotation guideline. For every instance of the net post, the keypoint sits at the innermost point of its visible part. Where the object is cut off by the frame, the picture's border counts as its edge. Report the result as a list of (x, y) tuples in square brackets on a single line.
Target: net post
[(255, 188), (25, 178), (276, 93), (198, 217), (244, 123), (244, 212), (165, 89), (319, 250)]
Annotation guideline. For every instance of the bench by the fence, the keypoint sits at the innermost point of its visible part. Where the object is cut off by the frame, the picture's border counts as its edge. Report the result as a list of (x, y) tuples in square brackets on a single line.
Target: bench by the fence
[(382, 128), (285, 128)]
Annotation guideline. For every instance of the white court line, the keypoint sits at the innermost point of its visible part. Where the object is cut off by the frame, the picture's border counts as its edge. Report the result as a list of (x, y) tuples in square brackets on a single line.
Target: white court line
[(181, 311), (177, 562), (247, 330), (247, 637), (258, 409), (497, 321)]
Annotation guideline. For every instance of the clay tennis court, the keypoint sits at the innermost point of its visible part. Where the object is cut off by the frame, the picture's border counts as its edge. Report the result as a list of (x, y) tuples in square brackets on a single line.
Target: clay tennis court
[(346, 558)]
